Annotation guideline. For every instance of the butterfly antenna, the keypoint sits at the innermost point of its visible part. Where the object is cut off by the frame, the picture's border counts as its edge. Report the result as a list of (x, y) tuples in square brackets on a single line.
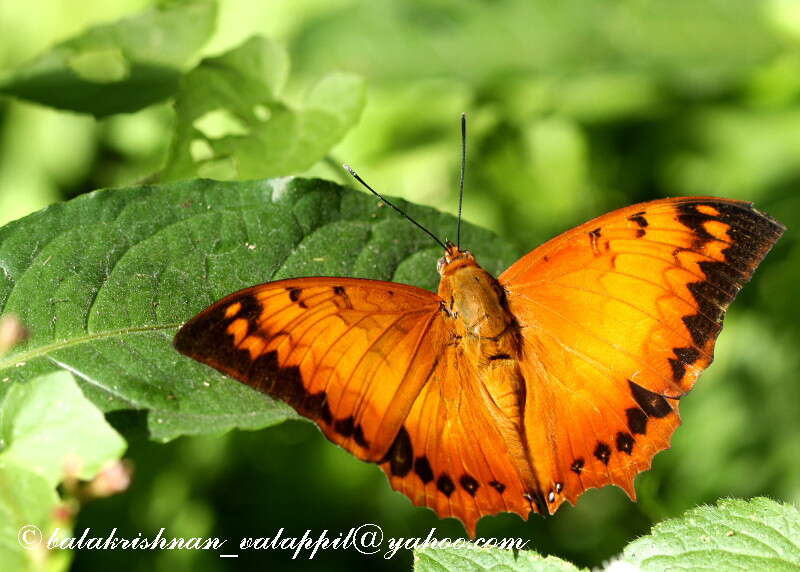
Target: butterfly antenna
[(381, 197), (461, 178)]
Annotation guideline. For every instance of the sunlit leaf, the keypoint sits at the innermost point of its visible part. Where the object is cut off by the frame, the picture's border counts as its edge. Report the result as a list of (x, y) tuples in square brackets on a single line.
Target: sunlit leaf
[(471, 559), (759, 534), (26, 501), (49, 427), (48, 431), (232, 123)]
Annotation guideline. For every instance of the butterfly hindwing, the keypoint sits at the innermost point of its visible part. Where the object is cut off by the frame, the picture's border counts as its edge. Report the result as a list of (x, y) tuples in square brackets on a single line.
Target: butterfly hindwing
[(456, 453), (619, 317)]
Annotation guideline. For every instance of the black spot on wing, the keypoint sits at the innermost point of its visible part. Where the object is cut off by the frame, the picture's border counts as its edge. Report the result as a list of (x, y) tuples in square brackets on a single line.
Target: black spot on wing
[(345, 427), (639, 219), (683, 357), (400, 455), (469, 484), (251, 311), (445, 485), (341, 293), (348, 427), (577, 466), (637, 420), (603, 452), (594, 235), (294, 296), (653, 404), (498, 486), (625, 442), (317, 405), (358, 436), (423, 469)]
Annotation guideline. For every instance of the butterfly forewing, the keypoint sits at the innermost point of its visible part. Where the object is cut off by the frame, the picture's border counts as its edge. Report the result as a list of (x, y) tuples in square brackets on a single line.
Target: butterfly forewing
[(619, 317), (350, 354)]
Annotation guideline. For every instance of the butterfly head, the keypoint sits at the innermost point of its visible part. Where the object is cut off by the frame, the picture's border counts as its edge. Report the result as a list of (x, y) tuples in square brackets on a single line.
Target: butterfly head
[(454, 258)]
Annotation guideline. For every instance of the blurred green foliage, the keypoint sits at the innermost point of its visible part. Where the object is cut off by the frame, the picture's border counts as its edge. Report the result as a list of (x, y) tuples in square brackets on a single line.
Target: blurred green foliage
[(576, 107)]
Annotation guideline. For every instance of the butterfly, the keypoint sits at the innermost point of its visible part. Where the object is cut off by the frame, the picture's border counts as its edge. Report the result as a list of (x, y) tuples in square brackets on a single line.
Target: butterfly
[(508, 394)]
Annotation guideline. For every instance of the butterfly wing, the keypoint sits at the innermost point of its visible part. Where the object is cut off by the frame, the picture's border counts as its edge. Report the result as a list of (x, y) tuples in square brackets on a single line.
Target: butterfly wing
[(376, 366), (619, 316), (350, 354), (457, 452)]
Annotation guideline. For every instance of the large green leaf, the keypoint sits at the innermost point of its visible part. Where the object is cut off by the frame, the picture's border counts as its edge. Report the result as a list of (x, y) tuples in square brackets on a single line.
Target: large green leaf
[(232, 124), (118, 67), (759, 534), (103, 281)]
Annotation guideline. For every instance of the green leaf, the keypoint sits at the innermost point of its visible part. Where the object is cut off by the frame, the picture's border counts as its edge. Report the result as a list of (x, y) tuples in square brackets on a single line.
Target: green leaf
[(119, 67), (26, 498), (759, 534), (231, 123), (47, 425), (473, 559), (102, 283)]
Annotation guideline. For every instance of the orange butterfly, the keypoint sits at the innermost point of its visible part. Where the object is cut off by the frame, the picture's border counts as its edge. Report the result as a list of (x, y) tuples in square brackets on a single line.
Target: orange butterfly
[(509, 394)]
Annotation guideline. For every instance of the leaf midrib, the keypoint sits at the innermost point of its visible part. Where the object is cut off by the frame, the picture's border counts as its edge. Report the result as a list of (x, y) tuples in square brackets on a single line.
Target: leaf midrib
[(42, 351)]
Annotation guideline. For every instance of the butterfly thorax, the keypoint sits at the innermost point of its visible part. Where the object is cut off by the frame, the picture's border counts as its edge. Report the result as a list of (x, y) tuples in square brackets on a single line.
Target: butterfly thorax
[(472, 297)]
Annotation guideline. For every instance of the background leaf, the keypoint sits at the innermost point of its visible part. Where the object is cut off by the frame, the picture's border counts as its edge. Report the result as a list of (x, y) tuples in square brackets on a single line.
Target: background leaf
[(111, 275), (49, 424), (48, 430), (119, 67), (231, 123), (26, 498), (472, 559), (759, 534)]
